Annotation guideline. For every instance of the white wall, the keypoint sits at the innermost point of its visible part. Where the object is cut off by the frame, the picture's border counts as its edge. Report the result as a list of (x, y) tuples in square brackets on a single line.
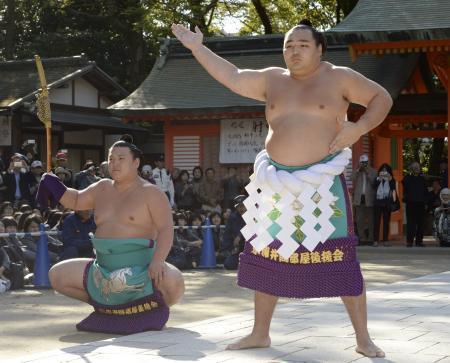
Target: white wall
[(63, 95), (86, 95)]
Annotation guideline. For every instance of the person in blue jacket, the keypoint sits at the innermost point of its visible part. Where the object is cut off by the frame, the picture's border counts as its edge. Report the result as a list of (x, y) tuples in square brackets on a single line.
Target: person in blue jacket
[(75, 235)]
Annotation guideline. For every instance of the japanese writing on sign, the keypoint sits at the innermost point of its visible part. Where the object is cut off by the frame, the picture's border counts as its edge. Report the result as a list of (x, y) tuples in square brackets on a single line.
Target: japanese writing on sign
[(241, 139)]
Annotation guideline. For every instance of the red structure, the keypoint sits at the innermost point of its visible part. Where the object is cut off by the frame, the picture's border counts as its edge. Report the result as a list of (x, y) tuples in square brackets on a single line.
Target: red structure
[(404, 28), (402, 45)]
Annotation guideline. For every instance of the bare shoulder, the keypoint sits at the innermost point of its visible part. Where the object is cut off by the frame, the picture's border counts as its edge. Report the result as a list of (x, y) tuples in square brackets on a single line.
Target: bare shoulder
[(270, 72), (344, 73), (104, 183), (156, 201), (275, 71), (100, 186), (151, 191)]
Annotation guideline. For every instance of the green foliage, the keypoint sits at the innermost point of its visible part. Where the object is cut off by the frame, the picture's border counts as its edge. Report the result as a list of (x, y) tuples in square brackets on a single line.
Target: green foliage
[(123, 36), (283, 14), (108, 32), (428, 152)]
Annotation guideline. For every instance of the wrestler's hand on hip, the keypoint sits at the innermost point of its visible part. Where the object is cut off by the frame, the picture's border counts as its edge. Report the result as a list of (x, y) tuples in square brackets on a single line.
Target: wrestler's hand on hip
[(348, 133), (189, 39), (156, 271)]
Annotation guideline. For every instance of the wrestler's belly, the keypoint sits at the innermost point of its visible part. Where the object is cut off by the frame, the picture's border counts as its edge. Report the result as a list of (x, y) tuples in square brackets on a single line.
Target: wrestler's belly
[(114, 229), (294, 143)]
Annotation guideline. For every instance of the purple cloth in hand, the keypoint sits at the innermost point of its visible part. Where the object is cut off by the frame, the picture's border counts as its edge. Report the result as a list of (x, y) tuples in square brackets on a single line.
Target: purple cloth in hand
[(50, 189)]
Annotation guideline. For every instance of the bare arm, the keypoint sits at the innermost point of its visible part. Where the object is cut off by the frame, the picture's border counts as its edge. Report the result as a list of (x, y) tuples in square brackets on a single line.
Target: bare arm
[(82, 199), (162, 218), (364, 92), (360, 90), (245, 82)]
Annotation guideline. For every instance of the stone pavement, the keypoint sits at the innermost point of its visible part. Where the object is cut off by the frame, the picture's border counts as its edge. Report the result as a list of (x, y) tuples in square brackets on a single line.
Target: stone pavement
[(410, 320)]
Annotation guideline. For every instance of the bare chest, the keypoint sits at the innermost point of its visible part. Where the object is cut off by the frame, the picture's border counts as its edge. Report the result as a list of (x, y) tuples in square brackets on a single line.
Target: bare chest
[(122, 208), (288, 98)]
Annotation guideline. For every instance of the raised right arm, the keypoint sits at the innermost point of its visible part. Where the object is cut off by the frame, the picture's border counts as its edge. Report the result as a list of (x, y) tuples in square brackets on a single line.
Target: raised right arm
[(51, 188), (81, 199), (245, 82)]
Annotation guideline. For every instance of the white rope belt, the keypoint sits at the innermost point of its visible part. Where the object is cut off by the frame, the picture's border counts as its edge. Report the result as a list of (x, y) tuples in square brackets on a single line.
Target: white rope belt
[(299, 193)]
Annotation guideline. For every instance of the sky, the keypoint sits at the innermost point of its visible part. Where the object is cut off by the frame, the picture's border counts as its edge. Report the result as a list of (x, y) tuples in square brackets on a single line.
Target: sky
[(231, 25)]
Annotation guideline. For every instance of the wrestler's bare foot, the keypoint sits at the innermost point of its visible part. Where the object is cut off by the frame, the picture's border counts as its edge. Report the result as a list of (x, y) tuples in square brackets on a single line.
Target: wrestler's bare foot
[(370, 350), (251, 341)]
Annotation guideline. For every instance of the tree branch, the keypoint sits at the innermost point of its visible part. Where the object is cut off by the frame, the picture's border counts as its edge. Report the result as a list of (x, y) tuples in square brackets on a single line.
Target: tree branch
[(212, 5), (211, 16), (262, 13), (230, 11)]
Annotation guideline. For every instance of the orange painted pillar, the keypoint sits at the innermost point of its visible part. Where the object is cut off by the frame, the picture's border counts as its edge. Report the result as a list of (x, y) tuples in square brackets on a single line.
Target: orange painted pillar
[(357, 151), (396, 226), (168, 144), (382, 154), (396, 223), (382, 151)]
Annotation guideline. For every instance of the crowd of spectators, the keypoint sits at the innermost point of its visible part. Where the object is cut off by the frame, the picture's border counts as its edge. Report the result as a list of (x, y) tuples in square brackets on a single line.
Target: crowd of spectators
[(193, 195), (375, 197), (227, 240), (18, 252)]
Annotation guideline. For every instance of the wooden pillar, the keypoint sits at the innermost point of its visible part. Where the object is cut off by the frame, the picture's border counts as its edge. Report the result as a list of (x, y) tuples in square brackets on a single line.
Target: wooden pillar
[(382, 151), (357, 151), (168, 144), (396, 223)]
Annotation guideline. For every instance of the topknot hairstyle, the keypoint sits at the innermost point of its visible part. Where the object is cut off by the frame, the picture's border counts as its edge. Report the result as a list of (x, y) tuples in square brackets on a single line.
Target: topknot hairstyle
[(127, 141), (305, 22), (127, 138)]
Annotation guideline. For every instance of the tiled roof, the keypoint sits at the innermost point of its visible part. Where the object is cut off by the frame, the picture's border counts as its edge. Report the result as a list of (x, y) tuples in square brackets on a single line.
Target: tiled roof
[(394, 20), (19, 79), (97, 120)]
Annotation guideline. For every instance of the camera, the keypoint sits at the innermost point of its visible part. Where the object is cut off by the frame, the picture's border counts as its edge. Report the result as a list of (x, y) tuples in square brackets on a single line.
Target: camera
[(17, 164)]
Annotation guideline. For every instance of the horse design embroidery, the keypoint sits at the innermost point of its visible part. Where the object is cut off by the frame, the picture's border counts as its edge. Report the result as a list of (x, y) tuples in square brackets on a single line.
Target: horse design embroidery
[(115, 282)]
